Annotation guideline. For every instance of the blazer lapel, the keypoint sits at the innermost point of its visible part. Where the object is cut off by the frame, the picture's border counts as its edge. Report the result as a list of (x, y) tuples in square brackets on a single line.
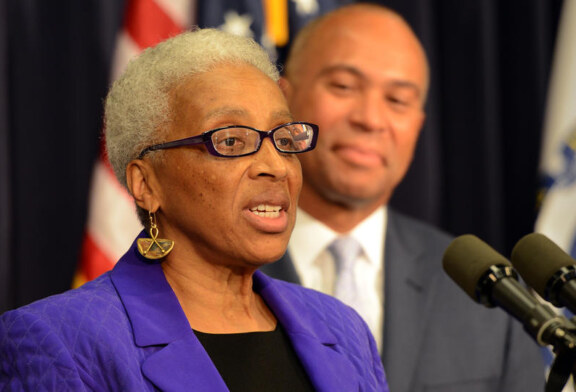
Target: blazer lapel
[(178, 361), (192, 371), (315, 345), (409, 288)]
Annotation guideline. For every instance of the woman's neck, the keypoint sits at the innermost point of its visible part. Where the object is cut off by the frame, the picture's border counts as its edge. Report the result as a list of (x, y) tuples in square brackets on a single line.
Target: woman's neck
[(218, 299)]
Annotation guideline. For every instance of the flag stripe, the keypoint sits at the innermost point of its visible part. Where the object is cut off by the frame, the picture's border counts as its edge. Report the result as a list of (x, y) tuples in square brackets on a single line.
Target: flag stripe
[(142, 16), (126, 50), (112, 220), (100, 262), (180, 11)]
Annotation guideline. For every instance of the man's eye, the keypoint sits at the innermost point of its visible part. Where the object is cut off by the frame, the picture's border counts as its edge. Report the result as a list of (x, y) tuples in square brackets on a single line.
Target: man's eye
[(283, 142), (340, 86), (398, 101)]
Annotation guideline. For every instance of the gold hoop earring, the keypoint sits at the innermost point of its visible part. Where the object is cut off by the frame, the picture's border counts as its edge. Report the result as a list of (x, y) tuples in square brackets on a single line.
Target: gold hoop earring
[(154, 248)]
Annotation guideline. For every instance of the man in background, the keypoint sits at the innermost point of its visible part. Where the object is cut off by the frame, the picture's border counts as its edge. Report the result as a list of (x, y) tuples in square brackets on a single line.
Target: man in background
[(362, 75)]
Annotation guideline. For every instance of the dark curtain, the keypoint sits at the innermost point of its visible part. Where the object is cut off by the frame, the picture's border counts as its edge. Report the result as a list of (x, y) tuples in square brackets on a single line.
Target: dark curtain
[(476, 163), (58, 59), (5, 210), (476, 166)]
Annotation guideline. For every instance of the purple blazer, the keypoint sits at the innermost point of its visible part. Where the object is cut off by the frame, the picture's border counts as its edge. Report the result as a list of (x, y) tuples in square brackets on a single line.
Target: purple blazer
[(126, 331)]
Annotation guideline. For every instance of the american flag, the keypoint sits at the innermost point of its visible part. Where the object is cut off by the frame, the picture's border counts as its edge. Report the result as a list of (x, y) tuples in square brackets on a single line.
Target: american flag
[(112, 221)]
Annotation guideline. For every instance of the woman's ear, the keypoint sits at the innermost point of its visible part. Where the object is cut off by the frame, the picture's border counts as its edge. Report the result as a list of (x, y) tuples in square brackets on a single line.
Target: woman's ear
[(141, 182)]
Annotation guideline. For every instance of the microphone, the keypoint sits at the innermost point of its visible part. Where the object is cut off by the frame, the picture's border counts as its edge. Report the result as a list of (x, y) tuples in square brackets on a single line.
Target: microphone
[(488, 278), (547, 268)]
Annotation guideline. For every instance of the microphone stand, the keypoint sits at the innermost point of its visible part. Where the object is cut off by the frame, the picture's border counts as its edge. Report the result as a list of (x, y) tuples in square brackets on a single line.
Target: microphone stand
[(565, 362), (560, 371)]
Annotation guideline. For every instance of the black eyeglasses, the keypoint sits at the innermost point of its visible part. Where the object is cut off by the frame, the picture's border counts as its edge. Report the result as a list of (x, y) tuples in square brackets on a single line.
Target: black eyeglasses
[(240, 140)]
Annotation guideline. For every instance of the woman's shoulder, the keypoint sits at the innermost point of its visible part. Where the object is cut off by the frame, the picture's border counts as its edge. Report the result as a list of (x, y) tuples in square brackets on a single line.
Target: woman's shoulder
[(70, 339), (81, 307)]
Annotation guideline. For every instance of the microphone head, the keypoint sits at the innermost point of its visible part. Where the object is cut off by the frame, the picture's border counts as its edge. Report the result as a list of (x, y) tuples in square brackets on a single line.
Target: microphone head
[(538, 259), (467, 260)]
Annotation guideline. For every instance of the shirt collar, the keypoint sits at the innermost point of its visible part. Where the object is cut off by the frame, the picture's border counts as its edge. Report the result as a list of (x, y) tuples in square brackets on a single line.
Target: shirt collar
[(371, 233), (310, 237)]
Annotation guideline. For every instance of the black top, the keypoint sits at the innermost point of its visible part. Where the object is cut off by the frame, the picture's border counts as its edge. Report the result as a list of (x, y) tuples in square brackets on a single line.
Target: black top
[(256, 361)]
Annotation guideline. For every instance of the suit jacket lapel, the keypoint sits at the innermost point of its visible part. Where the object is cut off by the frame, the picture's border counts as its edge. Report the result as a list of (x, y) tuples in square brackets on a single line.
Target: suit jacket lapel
[(409, 293), (315, 345), (178, 361)]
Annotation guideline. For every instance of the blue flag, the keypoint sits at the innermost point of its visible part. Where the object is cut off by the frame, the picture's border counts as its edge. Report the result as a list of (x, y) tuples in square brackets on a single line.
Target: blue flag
[(272, 23), (557, 215)]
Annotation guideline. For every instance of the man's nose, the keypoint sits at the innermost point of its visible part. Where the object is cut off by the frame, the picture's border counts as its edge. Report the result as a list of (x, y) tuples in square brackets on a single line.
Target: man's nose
[(370, 112)]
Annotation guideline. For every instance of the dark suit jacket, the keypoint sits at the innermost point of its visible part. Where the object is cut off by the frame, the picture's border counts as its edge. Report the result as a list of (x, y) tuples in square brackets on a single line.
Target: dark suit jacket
[(126, 331), (435, 337)]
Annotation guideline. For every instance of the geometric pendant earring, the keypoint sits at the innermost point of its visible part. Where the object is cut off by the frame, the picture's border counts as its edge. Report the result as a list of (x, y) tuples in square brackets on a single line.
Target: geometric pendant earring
[(154, 248)]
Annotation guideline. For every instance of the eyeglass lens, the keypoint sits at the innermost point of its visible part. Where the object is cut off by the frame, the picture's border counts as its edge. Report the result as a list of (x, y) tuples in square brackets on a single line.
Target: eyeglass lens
[(240, 141)]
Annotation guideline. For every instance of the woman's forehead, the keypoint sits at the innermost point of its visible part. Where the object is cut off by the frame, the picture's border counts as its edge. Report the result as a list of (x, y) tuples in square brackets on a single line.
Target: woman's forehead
[(229, 92)]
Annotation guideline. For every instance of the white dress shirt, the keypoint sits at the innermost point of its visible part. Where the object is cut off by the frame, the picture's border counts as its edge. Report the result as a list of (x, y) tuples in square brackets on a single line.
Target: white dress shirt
[(315, 265)]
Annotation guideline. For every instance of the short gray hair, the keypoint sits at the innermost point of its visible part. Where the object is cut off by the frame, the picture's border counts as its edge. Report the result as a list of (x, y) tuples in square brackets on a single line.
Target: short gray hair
[(137, 106)]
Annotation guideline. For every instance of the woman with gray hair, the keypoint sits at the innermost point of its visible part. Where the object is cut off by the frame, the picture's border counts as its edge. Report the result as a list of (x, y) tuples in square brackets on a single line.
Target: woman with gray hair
[(199, 132)]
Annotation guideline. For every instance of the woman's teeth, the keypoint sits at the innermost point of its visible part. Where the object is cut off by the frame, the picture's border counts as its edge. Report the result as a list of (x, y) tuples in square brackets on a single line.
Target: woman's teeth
[(266, 211)]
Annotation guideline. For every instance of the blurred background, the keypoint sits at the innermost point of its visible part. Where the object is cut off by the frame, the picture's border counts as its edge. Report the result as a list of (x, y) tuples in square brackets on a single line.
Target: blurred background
[(477, 162)]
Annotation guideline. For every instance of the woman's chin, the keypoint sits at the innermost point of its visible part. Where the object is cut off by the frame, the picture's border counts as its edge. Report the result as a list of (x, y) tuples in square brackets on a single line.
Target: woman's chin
[(265, 258)]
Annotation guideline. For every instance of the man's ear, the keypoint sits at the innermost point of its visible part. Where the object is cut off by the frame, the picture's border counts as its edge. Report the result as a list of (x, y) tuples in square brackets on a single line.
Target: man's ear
[(286, 87), (422, 120), (141, 182)]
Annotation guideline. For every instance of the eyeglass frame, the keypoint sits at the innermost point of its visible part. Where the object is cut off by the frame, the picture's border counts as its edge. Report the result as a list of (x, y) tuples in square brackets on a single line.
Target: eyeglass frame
[(206, 139)]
